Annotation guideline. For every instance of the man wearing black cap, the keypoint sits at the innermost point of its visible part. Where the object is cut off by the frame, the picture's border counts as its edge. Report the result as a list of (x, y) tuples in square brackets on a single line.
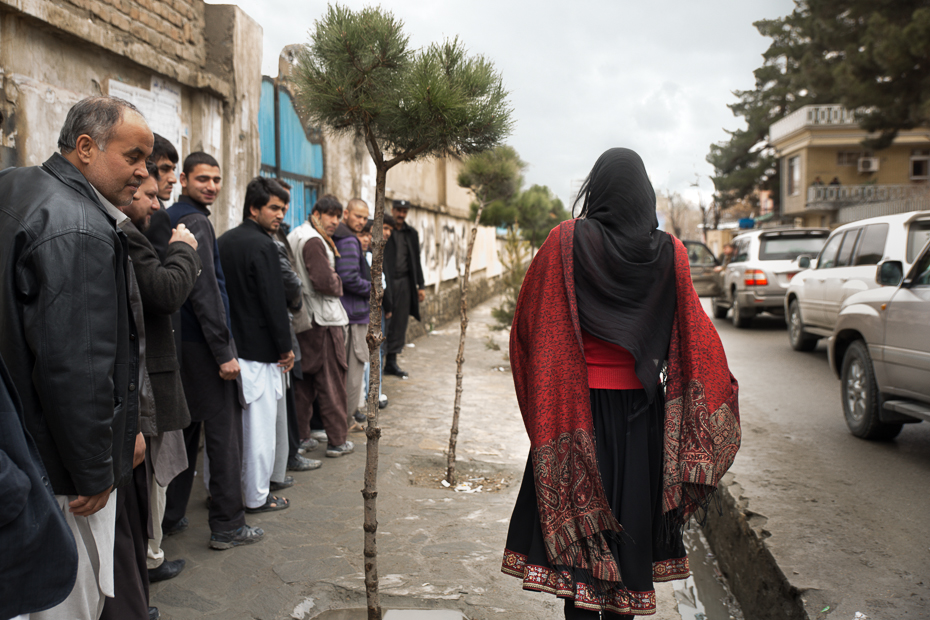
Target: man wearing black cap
[(402, 252)]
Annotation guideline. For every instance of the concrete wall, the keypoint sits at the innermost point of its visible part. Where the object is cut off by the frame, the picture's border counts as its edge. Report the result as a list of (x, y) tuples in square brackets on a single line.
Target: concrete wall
[(191, 66)]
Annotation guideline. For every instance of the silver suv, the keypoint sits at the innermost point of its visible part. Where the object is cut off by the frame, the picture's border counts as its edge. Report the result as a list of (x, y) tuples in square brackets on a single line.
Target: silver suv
[(763, 264), (847, 265), (880, 350)]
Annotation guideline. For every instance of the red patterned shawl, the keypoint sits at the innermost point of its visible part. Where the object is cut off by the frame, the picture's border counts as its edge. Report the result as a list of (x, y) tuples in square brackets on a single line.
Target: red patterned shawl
[(551, 381)]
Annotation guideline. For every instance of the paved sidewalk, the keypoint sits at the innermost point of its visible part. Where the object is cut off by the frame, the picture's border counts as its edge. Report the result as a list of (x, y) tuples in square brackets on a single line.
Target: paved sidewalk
[(437, 549)]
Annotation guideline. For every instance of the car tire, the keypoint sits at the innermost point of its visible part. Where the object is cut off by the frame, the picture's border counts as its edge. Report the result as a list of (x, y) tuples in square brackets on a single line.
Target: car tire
[(740, 319), (799, 339), (860, 396), (720, 311)]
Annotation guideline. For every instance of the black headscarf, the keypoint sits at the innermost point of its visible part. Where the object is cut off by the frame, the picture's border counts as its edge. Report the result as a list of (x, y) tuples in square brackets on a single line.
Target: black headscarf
[(624, 266)]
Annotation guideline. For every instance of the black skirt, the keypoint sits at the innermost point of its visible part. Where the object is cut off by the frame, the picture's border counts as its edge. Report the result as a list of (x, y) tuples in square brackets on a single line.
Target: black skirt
[(629, 435)]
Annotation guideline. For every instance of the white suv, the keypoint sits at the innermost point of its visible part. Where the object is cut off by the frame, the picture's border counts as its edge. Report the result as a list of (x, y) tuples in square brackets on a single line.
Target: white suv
[(847, 265)]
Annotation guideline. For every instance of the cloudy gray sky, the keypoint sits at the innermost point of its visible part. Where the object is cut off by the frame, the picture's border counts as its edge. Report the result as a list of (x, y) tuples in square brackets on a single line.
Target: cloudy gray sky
[(587, 75)]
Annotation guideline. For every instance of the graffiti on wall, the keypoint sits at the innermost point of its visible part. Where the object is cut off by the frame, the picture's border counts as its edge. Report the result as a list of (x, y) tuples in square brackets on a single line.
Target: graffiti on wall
[(443, 242)]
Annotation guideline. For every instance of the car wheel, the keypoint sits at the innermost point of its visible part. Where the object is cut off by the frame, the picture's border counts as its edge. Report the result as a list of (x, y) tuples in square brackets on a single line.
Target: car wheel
[(720, 311), (800, 340), (739, 319), (861, 400)]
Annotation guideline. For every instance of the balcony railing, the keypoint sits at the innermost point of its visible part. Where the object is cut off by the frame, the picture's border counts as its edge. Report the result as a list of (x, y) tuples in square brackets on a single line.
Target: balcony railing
[(820, 196), (810, 116)]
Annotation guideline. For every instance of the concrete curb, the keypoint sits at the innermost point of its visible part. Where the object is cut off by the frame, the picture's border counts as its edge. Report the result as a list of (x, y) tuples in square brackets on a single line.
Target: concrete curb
[(738, 538)]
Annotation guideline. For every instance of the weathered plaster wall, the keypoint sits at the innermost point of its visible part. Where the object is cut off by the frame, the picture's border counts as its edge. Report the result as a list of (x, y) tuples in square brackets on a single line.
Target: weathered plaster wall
[(55, 52)]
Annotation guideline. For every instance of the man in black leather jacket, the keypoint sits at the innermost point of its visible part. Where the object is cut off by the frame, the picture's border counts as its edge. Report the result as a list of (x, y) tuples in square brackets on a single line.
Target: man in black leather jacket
[(66, 332)]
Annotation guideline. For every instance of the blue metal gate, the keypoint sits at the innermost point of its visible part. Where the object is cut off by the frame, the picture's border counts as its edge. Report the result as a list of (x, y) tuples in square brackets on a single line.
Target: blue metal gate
[(290, 151)]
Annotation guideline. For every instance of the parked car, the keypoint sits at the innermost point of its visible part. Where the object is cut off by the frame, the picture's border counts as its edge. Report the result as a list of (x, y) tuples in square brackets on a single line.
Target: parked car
[(880, 350), (846, 265), (763, 264)]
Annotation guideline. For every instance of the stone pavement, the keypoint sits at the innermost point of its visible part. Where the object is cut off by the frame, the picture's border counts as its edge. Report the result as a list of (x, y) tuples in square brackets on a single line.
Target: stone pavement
[(437, 548)]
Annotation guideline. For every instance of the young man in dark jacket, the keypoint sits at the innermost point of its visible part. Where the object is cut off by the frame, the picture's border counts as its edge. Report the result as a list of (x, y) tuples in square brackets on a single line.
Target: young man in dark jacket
[(209, 369), (66, 331), (262, 330), (356, 288)]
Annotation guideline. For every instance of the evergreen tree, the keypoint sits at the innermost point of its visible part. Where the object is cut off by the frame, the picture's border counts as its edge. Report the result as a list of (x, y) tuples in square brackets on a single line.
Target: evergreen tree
[(358, 76)]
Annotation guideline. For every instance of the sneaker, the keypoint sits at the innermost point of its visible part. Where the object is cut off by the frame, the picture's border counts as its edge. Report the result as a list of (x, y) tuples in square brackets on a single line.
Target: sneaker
[(360, 417), (302, 463), (319, 435), (309, 444), (177, 528), (382, 401), (336, 451), (245, 535)]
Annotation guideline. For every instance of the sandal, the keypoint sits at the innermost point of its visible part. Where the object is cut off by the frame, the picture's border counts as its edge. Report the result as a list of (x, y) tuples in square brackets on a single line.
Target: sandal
[(271, 504), (356, 428)]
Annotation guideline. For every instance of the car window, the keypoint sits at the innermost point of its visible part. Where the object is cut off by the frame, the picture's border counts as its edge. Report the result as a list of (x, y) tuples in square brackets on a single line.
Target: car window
[(742, 251), (789, 247), (846, 250), (699, 254), (922, 270), (872, 245), (917, 236), (827, 258)]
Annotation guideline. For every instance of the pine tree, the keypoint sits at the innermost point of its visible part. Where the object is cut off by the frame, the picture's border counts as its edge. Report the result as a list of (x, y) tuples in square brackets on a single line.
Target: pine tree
[(358, 76)]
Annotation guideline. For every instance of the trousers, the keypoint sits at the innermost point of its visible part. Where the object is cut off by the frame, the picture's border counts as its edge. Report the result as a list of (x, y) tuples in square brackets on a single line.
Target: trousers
[(323, 361), (94, 536), (263, 389), (397, 327), (130, 572)]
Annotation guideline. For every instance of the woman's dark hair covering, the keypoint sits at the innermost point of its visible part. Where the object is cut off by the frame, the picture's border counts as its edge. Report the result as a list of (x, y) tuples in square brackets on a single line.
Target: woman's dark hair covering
[(624, 266)]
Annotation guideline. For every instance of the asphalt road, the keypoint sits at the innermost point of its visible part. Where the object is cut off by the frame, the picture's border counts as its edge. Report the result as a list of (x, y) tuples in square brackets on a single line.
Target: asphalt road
[(849, 519)]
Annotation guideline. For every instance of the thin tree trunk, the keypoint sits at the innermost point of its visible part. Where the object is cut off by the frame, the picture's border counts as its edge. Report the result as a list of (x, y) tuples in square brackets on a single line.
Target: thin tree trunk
[(460, 358), (373, 432)]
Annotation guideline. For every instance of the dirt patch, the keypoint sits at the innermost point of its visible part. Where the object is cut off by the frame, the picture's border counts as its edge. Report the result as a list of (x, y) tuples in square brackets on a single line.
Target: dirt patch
[(470, 476)]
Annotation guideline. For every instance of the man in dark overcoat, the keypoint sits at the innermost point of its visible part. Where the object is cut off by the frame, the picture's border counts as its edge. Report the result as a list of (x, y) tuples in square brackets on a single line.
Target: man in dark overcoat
[(163, 287), (402, 253)]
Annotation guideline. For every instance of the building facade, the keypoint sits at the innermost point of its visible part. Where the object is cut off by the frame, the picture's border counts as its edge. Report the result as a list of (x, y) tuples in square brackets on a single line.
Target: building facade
[(828, 178), (189, 66)]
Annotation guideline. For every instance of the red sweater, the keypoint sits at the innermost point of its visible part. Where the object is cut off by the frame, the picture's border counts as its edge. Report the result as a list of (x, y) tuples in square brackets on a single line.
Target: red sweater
[(610, 366)]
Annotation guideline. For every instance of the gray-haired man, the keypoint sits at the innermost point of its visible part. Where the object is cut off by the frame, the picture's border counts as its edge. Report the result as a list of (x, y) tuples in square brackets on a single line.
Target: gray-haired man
[(66, 331)]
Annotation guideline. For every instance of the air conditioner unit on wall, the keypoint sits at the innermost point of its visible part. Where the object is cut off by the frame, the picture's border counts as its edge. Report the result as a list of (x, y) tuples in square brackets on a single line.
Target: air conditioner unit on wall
[(868, 164)]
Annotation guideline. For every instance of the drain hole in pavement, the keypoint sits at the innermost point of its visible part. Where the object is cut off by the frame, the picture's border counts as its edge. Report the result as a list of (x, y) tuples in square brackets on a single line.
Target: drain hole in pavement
[(471, 476)]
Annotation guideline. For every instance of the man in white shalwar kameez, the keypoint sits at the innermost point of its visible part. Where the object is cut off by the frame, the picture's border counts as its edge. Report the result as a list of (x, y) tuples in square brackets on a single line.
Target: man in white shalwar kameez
[(261, 329)]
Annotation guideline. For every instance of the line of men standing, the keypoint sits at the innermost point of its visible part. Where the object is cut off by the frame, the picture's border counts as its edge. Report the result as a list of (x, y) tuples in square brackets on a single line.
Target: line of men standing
[(130, 331)]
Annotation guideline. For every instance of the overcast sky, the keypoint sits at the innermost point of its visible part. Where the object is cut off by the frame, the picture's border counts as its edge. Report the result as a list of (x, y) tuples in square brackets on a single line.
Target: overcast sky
[(587, 75)]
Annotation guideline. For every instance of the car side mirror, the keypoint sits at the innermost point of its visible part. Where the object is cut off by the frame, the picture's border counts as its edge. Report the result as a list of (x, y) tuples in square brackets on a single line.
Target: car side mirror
[(890, 273), (804, 262)]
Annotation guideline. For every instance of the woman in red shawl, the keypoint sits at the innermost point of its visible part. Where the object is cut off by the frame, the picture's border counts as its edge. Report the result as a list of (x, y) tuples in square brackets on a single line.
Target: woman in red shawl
[(626, 396)]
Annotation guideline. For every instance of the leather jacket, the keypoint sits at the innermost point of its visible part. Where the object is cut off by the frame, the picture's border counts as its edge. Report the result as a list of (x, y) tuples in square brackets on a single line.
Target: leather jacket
[(66, 331)]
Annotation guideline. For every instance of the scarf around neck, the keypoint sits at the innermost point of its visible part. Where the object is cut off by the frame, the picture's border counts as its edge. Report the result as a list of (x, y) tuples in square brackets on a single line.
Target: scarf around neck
[(550, 376)]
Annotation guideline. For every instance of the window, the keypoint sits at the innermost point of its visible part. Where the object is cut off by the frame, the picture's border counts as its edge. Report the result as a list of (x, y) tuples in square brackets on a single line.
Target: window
[(872, 245), (828, 255), (794, 176), (922, 271), (698, 254), (843, 259), (920, 164), (789, 247), (741, 253), (917, 236)]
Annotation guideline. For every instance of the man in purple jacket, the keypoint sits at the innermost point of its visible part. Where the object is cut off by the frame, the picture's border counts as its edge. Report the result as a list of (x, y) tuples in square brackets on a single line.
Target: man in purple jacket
[(356, 287)]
